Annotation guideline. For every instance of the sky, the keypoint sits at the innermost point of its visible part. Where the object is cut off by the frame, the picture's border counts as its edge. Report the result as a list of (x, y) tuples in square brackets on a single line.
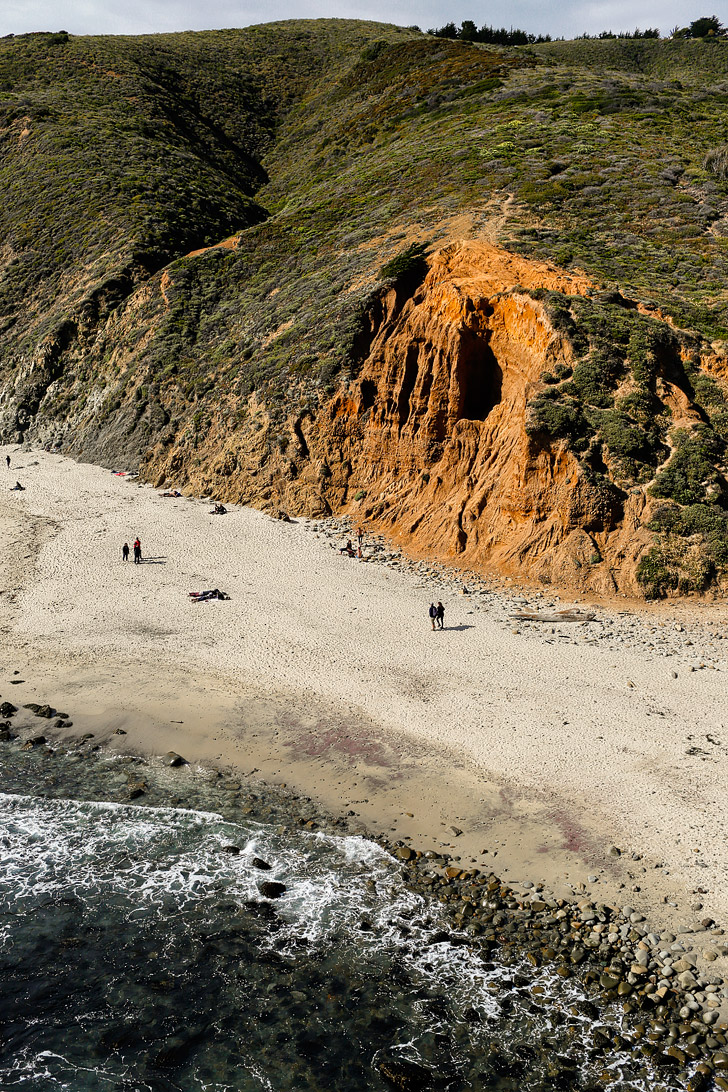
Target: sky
[(567, 18)]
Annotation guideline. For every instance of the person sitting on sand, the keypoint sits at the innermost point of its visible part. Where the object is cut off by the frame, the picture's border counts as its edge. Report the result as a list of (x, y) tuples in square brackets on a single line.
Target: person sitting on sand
[(348, 549), (171, 493), (17, 488), (218, 510)]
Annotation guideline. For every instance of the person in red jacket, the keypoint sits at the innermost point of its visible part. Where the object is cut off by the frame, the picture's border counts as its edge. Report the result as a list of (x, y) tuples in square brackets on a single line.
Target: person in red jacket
[(137, 551)]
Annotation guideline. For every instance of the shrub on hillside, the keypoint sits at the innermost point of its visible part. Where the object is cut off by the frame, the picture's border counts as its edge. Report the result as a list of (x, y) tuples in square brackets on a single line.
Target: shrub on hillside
[(716, 161), (707, 520), (562, 420), (690, 476), (626, 440), (672, 564), (408, 268), (595, 377)]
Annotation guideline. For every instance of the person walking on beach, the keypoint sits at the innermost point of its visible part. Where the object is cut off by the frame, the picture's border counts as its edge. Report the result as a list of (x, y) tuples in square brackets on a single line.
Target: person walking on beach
[(433, 614), (360, 535), (440, 615), (137, 552), (125, 552)]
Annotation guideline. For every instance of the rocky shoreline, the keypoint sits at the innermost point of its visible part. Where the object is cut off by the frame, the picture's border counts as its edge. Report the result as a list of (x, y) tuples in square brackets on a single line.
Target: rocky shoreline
[(644, 995)]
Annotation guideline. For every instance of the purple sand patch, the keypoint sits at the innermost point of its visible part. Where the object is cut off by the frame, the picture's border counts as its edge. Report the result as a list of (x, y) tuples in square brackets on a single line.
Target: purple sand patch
[(316, 741), (575, 838)]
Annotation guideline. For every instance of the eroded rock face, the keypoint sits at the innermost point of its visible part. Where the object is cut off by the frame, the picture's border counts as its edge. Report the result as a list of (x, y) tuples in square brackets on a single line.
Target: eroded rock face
[(429, 442), (434, 428)]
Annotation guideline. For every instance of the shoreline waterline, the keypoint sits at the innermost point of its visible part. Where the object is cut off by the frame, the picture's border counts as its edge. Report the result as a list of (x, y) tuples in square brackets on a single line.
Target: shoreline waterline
[(461, 748), (528, 956), (389, 786)]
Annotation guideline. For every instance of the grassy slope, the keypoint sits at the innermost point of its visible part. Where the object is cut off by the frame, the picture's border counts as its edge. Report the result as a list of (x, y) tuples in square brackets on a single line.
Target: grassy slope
[(632, 123), (135, 150), (324, 143)]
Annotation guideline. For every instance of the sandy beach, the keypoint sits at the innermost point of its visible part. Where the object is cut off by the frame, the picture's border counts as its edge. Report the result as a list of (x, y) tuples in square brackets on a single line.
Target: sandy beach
[(528, 748)]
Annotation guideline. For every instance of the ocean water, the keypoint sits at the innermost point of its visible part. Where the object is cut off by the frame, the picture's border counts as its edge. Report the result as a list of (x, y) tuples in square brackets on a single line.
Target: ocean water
[(138, 953)]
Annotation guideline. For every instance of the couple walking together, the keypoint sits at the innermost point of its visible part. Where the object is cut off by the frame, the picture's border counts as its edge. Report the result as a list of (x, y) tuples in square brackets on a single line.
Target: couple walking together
[(437, 615)]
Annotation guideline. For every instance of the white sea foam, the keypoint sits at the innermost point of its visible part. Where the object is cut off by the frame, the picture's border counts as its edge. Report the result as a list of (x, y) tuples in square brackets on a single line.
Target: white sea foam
[(340, 891)]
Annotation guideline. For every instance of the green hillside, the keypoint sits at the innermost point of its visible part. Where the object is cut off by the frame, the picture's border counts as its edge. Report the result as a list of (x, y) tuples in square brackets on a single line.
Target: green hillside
[(324, 148), (131, 151)]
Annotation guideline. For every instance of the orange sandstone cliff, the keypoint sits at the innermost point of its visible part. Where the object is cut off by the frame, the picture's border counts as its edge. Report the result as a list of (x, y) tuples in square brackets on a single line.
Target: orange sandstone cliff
[(429, 442)]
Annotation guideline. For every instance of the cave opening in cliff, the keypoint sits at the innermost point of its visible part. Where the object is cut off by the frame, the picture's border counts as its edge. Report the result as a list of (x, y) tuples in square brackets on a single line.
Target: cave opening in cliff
[(408, 383), (480, 380), (368, 390)]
